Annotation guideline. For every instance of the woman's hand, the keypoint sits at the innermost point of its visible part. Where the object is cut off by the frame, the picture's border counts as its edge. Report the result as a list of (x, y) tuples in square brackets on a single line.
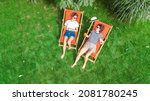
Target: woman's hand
[(85, 35), (70, 29), (101, 40)]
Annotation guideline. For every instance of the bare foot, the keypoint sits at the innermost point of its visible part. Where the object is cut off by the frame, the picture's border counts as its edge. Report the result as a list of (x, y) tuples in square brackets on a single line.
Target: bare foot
[(62, 56), (73, 65), (83, 67)]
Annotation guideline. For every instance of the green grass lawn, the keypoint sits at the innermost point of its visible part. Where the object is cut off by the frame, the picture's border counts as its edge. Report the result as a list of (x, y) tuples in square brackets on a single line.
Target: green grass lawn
[(29, 51)]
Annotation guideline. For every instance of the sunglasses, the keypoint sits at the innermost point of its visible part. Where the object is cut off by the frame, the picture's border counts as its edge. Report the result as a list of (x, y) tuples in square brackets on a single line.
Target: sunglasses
[(75, 17), (98, 27)]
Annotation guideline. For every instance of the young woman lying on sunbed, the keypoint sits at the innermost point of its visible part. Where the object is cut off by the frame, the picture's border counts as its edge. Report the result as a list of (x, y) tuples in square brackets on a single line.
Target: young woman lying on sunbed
[(71, 27), (90, 45)]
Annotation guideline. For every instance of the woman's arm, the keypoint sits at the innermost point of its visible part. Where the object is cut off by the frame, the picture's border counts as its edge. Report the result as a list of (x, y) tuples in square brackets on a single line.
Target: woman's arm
[(101, 40), (76, 29)]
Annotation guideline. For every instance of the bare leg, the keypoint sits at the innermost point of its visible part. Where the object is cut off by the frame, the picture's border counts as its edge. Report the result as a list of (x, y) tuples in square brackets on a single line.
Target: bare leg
[(64, 47), (83, 50), (69, 41), (86, 58)]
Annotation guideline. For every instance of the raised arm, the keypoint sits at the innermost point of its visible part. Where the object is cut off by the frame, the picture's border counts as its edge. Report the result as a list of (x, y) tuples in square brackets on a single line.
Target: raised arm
[(86, 35)]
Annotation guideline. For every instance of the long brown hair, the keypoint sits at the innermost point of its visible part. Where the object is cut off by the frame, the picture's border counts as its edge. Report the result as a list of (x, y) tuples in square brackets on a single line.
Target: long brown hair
[(74, 14)]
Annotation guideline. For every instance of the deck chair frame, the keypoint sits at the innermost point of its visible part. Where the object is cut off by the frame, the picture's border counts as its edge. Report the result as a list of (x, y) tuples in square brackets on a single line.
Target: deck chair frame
[(78, 33), (91, 59)]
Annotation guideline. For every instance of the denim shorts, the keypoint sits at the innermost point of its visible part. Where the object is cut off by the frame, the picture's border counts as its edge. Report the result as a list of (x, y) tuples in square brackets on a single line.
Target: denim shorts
[(69, 33)]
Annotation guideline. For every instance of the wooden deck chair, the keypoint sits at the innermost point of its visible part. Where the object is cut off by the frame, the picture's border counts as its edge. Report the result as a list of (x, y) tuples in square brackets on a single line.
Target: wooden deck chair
[(67, 16), (105, 32)]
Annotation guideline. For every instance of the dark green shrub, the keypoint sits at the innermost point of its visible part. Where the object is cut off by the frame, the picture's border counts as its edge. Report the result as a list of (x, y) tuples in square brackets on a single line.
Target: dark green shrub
[(131, 10), (74, 4)]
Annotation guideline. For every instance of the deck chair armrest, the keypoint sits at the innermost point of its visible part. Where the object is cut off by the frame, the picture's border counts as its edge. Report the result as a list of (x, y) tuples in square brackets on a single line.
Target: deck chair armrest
[(80, 24)]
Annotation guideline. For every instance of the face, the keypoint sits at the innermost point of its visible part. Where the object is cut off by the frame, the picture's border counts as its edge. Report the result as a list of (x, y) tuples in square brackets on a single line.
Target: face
[(98, 28), (74, 18)]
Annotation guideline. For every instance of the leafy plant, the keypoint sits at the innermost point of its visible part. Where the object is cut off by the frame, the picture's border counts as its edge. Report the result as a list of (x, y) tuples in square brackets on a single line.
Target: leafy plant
[(74, 4), (131, 10)]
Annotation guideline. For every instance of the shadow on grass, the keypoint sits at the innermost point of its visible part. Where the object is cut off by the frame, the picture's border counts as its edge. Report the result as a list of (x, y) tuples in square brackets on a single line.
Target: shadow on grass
[(85, 25), (59, 21), (107, 3), (48, 2)]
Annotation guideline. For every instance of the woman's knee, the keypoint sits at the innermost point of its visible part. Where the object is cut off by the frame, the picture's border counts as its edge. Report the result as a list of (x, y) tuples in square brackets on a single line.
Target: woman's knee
[(88, 54)]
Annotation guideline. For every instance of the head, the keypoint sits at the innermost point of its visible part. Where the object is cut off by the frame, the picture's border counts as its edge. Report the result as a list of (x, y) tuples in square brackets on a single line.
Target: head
[(74, 16), (99, 28)]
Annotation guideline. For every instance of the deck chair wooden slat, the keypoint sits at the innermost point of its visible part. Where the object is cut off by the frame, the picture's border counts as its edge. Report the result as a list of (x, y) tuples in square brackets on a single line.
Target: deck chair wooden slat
[(105, 32), (67, 16)]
